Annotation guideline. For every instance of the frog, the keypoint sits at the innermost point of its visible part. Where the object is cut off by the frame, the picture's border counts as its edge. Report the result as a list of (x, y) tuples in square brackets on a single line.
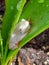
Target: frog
[(20, 31)]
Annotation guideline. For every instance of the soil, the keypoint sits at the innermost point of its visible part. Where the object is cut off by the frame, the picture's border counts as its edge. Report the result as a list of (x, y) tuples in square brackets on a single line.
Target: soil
[(36, 51)]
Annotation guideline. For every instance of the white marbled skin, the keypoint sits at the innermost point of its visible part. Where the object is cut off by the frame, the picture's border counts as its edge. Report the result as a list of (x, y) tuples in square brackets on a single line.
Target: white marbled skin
[(19, 33)]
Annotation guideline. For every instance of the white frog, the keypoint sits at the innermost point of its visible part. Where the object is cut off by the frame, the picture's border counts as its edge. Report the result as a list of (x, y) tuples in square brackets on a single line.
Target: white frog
[(19, 33)]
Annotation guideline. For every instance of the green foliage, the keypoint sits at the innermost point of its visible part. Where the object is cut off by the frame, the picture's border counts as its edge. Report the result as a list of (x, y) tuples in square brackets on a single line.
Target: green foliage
[(11, 17), (35, 10), (1, 49), (38, 12)]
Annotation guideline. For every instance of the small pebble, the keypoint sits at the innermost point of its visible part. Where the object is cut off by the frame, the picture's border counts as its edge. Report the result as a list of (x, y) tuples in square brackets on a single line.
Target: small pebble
[(34, 64), (45, 62), (44, 47), (48, 53)]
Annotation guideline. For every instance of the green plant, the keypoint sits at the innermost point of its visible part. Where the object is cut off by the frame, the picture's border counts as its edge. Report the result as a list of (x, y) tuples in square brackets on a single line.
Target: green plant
[(35, 10)]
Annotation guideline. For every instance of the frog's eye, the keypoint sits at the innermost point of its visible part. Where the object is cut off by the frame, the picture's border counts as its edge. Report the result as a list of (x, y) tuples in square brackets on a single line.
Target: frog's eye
[(19, 33)]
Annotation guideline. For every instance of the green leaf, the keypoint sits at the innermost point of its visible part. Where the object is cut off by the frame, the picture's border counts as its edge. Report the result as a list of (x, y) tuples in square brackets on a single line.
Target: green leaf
[(11, 18), (38, 12), (1, 48)]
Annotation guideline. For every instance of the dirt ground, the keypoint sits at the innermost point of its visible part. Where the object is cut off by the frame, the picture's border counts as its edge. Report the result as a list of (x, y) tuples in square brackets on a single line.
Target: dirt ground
[(36, 51)]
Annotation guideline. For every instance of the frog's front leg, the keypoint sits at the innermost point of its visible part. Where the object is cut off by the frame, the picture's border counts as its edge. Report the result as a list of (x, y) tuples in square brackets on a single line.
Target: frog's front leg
[(17, 44)]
